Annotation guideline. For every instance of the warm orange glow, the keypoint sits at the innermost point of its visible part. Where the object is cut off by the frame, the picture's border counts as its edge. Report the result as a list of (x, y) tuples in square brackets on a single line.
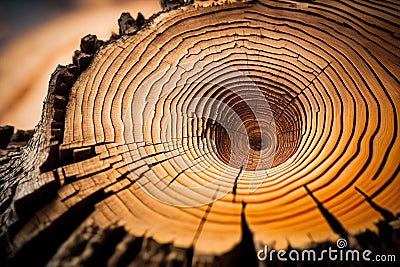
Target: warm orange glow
[(329, 95), (27, 62)]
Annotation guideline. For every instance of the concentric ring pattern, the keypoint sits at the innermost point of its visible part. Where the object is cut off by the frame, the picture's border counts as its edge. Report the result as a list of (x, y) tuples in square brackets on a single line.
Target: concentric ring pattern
[(249, 102)]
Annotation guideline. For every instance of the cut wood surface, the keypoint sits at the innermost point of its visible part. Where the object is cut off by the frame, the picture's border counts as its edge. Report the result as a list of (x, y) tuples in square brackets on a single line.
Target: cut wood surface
[(209, 130)]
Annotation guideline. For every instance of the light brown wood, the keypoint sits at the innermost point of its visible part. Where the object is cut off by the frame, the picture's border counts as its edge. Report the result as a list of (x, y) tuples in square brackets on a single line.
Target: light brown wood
[(118, 169)]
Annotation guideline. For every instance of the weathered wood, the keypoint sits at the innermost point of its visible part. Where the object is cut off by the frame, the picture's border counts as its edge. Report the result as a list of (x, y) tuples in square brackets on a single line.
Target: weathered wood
[(197, 136)]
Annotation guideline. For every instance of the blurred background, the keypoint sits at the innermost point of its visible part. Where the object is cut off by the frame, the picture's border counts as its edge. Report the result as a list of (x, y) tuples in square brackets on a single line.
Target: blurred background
[(37, 35)]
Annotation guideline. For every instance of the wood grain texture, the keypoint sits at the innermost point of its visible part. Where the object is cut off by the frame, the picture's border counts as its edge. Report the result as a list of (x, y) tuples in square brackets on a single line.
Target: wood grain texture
[(127, 132)]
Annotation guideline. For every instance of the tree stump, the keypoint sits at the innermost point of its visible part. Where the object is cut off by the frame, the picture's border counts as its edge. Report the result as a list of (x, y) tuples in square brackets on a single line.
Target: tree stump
[(197, 136)]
